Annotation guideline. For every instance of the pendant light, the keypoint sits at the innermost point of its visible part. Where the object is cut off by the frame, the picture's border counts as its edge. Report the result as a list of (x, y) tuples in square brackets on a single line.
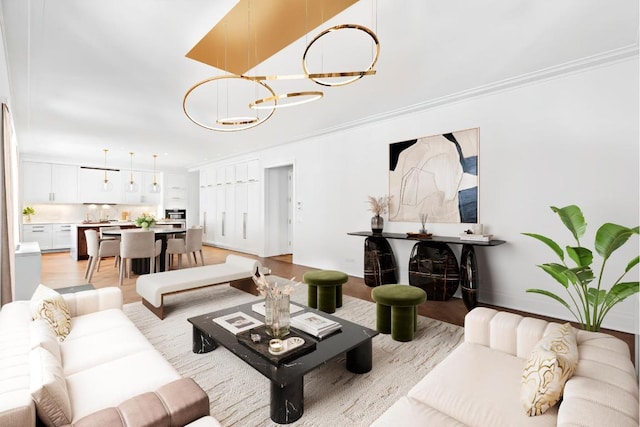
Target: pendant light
[(132, 187), (154, 187), (106, 184)]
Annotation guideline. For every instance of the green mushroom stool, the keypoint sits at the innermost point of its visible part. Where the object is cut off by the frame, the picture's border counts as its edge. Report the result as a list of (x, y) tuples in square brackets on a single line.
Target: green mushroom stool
[(325, 289), (396, 311)]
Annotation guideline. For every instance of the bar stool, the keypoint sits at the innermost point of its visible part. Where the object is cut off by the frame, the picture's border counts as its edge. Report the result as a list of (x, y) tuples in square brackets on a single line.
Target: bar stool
[(396, 310), (325, 289)]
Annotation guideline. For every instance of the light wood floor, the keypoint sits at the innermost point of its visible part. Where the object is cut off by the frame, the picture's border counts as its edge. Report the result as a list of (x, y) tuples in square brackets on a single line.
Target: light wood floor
[(59, 270)]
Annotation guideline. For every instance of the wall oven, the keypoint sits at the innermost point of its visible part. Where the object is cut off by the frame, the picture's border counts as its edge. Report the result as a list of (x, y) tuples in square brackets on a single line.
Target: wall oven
[(177, 215)]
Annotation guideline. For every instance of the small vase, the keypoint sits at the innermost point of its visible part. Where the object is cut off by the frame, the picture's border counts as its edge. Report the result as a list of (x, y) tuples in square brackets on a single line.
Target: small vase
[(377, 224), (27, 218), (145, 227), (276, 315)]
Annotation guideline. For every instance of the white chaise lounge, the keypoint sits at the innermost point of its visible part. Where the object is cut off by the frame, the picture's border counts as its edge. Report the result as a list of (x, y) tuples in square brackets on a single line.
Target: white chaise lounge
[(236, 270)]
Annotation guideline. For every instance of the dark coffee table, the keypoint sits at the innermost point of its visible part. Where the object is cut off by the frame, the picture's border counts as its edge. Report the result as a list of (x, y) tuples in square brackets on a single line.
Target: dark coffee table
[(287, 379)]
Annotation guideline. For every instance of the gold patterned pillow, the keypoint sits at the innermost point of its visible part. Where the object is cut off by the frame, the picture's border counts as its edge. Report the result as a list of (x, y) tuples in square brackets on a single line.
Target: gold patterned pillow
[(49, 305), (552, 362)]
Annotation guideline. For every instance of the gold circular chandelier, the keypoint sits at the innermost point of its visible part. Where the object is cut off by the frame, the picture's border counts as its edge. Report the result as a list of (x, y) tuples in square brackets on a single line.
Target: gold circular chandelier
[(240, 123), (272, 101)]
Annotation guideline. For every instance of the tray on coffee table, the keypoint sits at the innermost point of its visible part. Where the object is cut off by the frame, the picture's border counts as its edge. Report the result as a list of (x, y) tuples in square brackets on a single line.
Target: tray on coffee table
[(262, 347)]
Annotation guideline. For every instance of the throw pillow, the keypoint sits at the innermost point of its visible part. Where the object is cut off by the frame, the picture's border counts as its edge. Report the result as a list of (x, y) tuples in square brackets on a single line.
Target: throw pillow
[(49, 305), (552, 362), (49, 388), (43, 336)]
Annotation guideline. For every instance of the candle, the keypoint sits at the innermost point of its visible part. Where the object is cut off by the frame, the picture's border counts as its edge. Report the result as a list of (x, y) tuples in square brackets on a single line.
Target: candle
[(275, 345)]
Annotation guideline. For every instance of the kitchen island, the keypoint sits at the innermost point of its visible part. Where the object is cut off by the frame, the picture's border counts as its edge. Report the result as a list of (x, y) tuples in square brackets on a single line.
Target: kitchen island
[(79, 243)]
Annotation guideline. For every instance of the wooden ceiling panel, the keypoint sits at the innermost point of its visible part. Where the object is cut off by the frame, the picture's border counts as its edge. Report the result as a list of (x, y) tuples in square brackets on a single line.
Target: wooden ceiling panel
[(255, 30)]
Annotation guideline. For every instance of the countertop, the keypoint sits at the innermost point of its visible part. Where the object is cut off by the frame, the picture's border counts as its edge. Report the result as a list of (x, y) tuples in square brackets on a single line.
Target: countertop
[(98, 223), (113, 223)]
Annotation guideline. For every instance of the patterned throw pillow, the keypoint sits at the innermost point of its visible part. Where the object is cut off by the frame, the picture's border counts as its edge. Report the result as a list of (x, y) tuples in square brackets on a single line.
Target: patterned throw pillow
[(552, 362), (49, 305)]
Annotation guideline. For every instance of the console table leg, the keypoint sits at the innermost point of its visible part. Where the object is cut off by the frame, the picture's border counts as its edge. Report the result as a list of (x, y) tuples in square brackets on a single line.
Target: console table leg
[(469, 277), (287, 402), (202, 343), (359, 359)]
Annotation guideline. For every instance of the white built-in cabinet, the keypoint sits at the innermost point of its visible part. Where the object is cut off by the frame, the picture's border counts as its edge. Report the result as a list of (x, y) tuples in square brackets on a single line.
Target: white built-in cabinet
[(230, 205), (175, 191), (48, 236), (90, 185), (142, 195), (57, 183), (49, 183)]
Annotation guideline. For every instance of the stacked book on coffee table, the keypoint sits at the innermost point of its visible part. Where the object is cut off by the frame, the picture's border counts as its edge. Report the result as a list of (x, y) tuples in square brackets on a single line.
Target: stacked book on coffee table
[(314, 324)]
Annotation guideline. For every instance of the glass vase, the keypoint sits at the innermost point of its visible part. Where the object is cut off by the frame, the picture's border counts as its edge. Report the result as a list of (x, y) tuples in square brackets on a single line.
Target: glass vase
[(377, 224), (276, 315)]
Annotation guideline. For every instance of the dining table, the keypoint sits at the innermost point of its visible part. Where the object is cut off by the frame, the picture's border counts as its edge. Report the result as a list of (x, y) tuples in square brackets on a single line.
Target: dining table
[(141, 266)]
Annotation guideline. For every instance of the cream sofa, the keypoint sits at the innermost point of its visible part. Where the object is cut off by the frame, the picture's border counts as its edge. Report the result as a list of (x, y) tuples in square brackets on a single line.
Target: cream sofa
[(478, 384), (113, 375)]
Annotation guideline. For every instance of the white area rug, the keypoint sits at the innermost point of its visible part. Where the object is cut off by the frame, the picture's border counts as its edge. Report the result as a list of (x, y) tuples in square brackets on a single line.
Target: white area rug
[(333, 396)]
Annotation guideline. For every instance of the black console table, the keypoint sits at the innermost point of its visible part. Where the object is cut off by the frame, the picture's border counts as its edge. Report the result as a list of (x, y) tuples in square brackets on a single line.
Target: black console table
[(432, 265)]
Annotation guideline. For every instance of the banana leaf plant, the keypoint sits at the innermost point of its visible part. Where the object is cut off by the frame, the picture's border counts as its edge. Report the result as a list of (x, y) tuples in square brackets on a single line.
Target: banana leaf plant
[(589, 304)]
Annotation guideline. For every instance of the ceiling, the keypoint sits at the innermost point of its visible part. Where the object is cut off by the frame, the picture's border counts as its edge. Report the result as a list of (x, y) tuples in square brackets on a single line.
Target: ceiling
[(87, 75)]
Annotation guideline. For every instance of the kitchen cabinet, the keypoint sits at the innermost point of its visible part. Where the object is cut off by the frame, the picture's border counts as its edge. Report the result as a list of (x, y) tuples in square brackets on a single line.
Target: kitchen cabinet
[(230, 206), (49, 183), (41, 233), (48, 236), (175, 191), (90, 186), (142, 195), (61, 238)]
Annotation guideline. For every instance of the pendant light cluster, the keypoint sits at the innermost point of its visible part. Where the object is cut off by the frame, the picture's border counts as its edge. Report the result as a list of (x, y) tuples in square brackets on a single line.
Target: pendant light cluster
[(132, 186), (200, 95)]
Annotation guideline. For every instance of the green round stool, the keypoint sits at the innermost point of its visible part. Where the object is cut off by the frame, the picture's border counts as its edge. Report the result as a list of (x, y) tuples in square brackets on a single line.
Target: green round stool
[(325, 289), (396, 310)]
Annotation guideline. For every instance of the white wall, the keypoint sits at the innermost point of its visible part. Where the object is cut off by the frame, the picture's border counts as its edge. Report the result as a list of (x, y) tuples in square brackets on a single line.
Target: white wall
[(572, 139)]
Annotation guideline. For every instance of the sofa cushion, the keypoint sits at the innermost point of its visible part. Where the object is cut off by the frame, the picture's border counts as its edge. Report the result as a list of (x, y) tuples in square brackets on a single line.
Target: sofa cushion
[(408, 411), (42, 335), (112, 382), (479, 386), (82, 351), (551, 363), (49, 305), (49, 388)]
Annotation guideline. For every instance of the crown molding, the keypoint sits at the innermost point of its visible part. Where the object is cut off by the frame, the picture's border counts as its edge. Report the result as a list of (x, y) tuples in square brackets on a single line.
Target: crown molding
[(572, 67)]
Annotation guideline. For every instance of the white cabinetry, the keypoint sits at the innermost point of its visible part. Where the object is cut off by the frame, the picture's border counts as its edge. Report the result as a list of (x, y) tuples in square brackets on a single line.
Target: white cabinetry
[(49, 183), (40, 233), (175, 191), (61, 236), (48, 236), (90, 186), (208, 204), (236, 207)]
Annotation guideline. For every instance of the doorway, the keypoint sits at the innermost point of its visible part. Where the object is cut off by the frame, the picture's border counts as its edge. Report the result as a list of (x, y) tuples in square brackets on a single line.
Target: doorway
[(279, 211)]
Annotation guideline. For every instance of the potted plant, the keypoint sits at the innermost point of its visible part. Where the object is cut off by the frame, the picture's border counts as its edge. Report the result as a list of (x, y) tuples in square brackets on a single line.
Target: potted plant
[(588, 304), (145, 221), (27, 212), (378, 206)]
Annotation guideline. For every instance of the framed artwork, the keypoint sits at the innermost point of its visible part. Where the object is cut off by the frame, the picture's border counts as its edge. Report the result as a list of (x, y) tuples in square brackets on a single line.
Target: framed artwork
[(436, 176)]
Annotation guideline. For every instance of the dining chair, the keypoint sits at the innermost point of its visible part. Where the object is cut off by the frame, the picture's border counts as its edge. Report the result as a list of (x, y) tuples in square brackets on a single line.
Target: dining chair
[(103, 237), (137, 246), (98, 249), (191, 244)]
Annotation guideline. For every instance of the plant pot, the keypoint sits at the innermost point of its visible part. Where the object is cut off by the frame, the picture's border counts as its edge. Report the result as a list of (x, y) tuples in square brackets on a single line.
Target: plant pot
[(377, 224)]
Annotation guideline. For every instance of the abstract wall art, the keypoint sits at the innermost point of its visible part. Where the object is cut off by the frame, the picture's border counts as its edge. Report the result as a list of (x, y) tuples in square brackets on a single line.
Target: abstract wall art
[(437, 176)]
